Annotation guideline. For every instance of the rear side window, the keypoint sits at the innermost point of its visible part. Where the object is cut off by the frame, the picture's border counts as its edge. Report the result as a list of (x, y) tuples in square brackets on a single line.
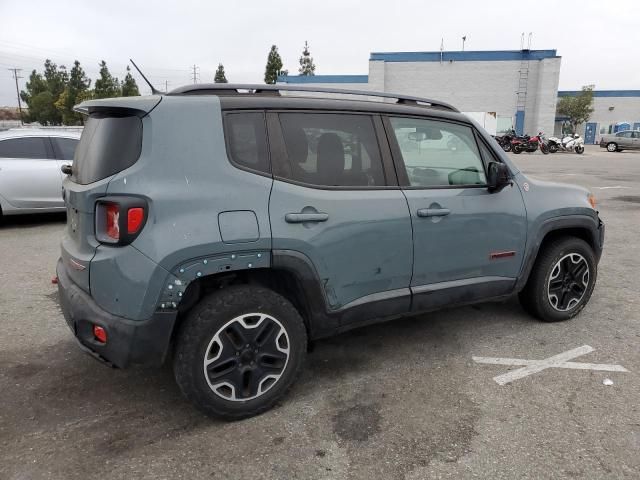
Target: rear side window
[(108, 145), (66, 147), (247, 140), (27, 147), (328, 149)]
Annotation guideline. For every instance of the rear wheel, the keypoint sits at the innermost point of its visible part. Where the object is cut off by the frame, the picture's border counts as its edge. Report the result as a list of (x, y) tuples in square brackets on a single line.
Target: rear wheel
[(544, 148), (516, 149), (506, 146), (239, 351), (562, 280), (612, 147)]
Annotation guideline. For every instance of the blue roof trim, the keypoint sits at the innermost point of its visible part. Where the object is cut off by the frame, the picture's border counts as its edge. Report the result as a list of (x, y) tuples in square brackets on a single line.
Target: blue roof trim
[(602, 93), (323, 79), (460, 56)]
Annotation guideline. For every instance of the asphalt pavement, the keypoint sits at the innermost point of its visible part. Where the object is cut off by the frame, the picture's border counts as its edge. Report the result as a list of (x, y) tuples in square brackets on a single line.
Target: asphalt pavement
[(401, 400)]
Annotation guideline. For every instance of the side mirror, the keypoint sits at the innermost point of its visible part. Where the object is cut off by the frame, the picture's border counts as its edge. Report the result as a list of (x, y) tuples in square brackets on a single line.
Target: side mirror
[(498, 176)]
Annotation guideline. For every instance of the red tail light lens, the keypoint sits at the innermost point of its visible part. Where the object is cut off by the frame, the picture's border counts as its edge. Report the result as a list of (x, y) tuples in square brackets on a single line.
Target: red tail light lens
[(135, 217), (113, 221), (119, 219), (100, 334)]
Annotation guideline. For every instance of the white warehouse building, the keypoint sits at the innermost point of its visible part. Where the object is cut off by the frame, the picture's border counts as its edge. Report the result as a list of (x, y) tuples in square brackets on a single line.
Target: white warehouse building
[(519, 86)]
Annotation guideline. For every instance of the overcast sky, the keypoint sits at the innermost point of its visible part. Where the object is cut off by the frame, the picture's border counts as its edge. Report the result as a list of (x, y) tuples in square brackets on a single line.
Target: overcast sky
[(599, 42)]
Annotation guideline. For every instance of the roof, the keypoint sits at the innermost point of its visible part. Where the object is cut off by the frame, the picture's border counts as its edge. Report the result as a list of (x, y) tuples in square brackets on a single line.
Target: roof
[(463, 56), (602, 93), (258, 90), (40, 132), (323, 79), (290, 103)]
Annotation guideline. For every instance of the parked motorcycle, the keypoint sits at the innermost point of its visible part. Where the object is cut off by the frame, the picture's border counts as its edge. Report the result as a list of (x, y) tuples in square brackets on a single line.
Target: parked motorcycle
[(570, 143), (529, 144), (505, 140)]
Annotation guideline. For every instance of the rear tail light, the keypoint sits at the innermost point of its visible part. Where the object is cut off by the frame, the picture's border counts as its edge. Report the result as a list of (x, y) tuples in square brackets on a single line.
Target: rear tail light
[(119, 220)]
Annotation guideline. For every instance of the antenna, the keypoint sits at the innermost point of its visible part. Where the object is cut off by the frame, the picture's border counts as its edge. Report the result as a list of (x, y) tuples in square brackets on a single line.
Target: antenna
[(153, 89)]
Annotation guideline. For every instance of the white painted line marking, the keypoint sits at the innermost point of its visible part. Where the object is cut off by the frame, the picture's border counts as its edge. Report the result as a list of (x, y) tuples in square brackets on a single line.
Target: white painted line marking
[(557, 361), (610, 188)]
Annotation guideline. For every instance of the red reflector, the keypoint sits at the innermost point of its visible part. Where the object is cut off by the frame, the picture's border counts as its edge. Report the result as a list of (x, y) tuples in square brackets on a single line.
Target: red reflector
[(113, 215), (100, 334), (54, 280), (135, 216)]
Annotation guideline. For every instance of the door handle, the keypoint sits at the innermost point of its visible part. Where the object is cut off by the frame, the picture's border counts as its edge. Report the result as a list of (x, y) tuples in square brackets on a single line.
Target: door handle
[(306, 217), (433, 212), (66, 169)]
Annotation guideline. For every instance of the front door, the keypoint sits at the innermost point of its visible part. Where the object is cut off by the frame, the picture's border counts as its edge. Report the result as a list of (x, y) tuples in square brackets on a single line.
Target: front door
[(334, 202), (468, 243)]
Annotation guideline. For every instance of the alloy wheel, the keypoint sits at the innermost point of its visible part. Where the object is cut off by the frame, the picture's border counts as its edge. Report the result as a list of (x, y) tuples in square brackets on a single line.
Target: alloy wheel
[(246, 357), (568, 282)]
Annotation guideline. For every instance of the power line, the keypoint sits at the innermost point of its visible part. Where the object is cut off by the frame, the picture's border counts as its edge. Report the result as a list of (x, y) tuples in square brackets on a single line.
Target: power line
[(16, 76)]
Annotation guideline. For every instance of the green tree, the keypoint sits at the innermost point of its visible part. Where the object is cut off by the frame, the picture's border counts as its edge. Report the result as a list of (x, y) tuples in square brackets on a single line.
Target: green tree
[(129, 85), (41, 93), (274, 66), (578, 109), (220, 76), (307, 67), (106, 86), (74, 92)]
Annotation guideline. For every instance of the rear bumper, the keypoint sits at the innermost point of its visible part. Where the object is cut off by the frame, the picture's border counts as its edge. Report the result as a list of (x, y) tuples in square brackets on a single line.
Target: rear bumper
[(128, 341)]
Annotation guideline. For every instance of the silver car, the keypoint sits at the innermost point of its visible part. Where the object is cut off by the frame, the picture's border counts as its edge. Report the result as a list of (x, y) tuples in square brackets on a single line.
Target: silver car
[(30, 175), (626, 140)]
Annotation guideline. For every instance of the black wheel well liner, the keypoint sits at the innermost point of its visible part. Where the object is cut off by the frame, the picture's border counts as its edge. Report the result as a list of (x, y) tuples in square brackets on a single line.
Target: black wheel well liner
[(581, 226), (291, 275)]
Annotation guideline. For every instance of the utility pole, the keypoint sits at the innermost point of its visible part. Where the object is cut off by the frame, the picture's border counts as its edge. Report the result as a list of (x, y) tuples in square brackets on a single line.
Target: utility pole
[(15, 75), (166, 85), (195, 74), (464, 39)]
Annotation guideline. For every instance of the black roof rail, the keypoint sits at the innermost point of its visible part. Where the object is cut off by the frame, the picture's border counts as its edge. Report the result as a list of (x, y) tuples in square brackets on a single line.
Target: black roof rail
[(254, 88)]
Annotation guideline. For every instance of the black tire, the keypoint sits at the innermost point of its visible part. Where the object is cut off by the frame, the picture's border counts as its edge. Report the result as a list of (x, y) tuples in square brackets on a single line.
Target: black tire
[(196, 338), (516, 149), (579, 149), (536, 295), (612, 147), (506, 146), (544, 149), (553, 148)]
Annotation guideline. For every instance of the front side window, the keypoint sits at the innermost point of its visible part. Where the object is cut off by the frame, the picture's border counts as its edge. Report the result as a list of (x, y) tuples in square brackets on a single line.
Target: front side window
[(26, 147), (247, 140), (438, 154), (328, 149)]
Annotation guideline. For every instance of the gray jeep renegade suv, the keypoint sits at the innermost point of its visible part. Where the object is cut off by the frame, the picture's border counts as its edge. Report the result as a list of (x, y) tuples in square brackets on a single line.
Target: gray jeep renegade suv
[(224, 227)]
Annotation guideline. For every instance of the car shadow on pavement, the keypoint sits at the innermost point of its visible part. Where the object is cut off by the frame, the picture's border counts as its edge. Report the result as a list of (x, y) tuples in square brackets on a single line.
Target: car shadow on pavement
[(30, 221)]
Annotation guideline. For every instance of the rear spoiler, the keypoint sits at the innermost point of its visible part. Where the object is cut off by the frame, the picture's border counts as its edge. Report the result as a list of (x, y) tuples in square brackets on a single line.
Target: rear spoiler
[(137, 105)]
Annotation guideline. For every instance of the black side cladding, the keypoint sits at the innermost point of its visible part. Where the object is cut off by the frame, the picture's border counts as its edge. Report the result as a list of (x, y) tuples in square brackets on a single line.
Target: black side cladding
[(110, 143)]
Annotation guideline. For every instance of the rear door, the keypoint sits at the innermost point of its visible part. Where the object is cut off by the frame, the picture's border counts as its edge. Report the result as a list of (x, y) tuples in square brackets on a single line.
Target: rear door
[(468, 243), (336, 201), (30, 177)]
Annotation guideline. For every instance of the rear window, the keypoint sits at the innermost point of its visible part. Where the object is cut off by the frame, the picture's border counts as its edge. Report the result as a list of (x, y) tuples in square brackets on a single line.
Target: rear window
[(108, 145)]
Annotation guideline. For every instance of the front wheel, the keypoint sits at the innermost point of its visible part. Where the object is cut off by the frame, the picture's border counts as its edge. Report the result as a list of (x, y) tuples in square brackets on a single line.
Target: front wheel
[(544, 149), (562, 280), (506, 146), (238, 351), (580, 149), (553, 148)]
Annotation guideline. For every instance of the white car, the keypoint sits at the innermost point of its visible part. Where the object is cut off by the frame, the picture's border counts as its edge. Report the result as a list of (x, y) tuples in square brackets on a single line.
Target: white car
[(30, 163)]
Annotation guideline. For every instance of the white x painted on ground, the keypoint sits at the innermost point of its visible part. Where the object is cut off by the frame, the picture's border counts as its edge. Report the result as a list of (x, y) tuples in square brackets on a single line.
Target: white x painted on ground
[(557, 361)]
